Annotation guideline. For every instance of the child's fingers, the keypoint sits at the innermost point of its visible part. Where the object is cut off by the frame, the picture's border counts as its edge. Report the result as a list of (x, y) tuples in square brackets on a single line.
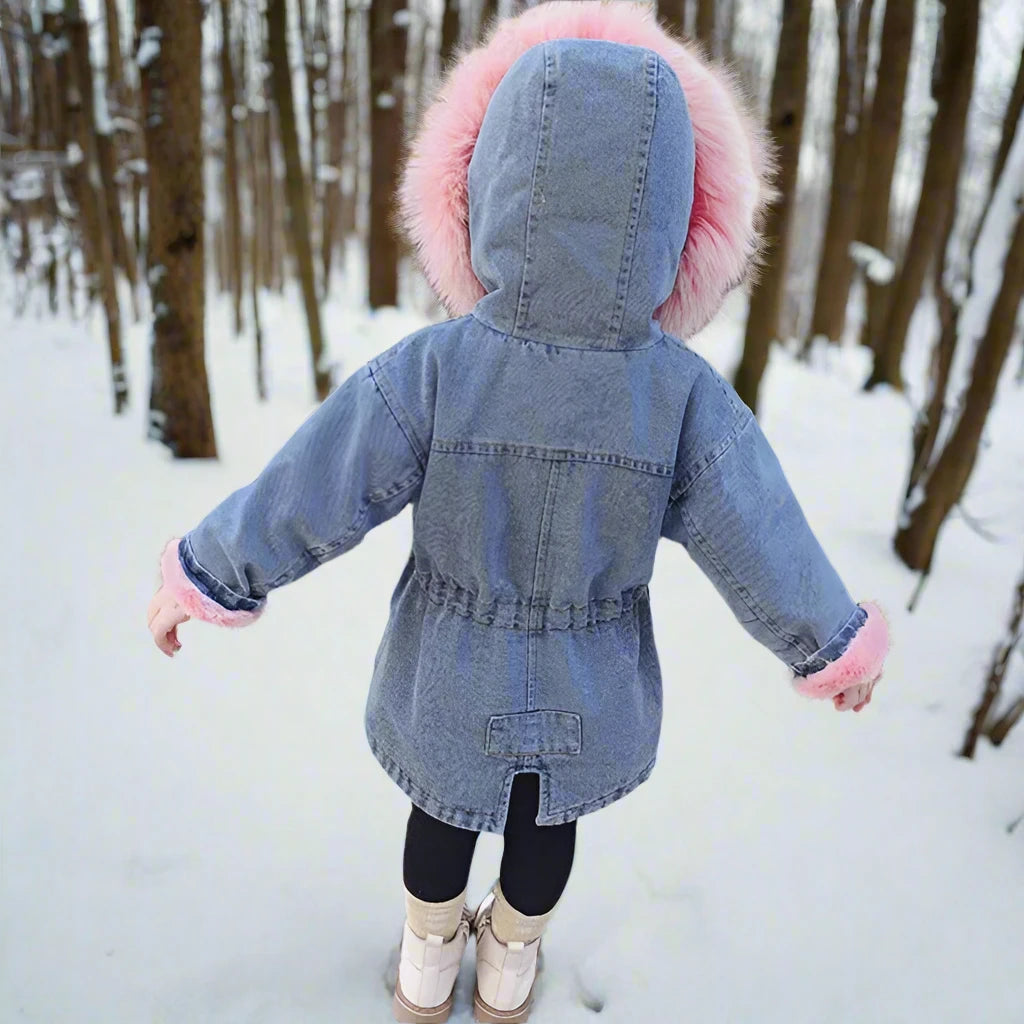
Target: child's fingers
[(164, 628)]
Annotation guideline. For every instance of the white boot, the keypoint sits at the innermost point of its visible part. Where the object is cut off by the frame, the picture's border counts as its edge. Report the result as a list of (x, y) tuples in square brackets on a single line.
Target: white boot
[(505, 973), (427, 972)]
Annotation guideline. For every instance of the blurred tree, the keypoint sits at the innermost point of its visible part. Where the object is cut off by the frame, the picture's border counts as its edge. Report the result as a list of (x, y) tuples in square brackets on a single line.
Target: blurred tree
[(673, 14), (704, 25), (388, 24), (958, 49), (170, 62), (835, 268), (331, 235), (985, 721), (789, 93), (885, 124), (233, 227), (94, 217), (942, 484), (488, 12), (450, 32), (295, 189)]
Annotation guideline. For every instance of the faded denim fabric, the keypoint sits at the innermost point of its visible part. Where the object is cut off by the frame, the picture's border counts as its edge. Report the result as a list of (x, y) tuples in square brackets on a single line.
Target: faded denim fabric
[(547, 442)]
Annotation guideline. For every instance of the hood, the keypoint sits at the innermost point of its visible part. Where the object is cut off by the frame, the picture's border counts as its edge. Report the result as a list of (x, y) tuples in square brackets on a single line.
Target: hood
[(731, 170), (580, 189)]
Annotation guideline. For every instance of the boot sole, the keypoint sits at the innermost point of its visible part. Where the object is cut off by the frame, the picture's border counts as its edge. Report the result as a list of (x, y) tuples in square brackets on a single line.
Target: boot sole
[(486, 1014), (406, 1013)]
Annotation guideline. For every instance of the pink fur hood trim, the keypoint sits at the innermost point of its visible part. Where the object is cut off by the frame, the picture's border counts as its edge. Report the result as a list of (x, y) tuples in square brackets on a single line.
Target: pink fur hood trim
[(192, 599), (861, 662), (734, 162)]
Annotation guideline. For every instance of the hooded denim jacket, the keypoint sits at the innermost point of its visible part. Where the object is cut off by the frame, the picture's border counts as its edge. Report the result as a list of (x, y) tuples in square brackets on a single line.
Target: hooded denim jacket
[(546, 442)]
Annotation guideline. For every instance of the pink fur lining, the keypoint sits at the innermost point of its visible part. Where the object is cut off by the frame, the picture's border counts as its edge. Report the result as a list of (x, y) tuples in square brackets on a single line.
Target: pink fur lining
[(861, 662), (734, 161), (193, 600)]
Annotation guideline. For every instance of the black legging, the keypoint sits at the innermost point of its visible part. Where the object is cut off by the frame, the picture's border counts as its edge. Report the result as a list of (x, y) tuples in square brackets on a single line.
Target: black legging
[(534, 867)]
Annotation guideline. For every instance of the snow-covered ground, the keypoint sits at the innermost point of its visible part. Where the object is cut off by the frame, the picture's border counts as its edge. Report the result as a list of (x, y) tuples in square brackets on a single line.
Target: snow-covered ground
[(209, 840)]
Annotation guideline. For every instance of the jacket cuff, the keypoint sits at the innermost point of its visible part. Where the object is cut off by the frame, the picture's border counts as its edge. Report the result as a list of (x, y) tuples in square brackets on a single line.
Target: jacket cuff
[(860, 662), (193, 600)]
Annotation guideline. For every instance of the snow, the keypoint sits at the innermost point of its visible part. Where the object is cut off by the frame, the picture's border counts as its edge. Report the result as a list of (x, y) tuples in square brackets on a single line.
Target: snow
[(209, 839), (385, 100), (402, 18), (239, 112), (73, 154), (878, 267), (136, 166), (149, 46)]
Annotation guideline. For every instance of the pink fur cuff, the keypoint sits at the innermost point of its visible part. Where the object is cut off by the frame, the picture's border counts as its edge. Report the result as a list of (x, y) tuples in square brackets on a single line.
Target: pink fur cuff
[(861, 662), (192, 599)]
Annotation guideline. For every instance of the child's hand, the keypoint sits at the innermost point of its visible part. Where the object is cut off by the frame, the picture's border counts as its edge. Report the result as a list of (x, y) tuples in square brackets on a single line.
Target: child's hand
[(856, 697), (165, 615)]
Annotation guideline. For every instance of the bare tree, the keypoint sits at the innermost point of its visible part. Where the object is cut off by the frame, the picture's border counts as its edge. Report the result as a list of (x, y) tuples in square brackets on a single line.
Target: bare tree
[(387, 26), (835, 268), (450, 29), (959, 43), (337, 115), (884, 128), (295, 187), (1010, 121), (941, 486), (13, 120), (232, 182), (488, 13), (704, 25), (115, 66), (89, 194), (983, 722), (673, 13), (788, 104), (170, 62)]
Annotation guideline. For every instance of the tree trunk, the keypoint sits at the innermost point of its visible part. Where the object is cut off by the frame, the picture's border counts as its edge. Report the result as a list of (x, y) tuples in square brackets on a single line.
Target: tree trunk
[(488, 14), (1011, 119), (232, 205), (915, 539), (673, 14), (885, 126), (89, 194), (387, 73), (938, 186), (835, 268), (13, 120), (172, 103), (449, 32), (115, 69), (788, 103), (336, 116), (994, 681), (705, 25), (295, 189), (121, 241)]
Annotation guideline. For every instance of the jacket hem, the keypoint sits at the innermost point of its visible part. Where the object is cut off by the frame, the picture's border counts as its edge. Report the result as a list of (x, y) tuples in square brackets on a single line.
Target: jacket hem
[(482, 821)]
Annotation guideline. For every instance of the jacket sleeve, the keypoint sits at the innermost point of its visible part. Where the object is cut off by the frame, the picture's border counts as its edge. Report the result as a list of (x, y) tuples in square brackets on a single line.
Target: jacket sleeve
[(348, 468), (734, 511)]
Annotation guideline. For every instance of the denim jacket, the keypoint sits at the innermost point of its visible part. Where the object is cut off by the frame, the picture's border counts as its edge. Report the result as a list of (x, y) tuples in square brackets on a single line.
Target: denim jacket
[(546, 442)]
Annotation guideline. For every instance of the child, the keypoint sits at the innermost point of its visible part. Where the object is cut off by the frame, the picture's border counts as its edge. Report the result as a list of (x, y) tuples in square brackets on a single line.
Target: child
[(583, 185)]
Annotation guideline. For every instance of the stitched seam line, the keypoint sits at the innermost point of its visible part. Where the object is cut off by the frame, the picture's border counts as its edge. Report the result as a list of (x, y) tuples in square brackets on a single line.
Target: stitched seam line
[(321, 552), (383, 386), (629, 242), (708, 460), (485, 448), (539, 567), (539, 170), (741, 592), (561, 346)]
